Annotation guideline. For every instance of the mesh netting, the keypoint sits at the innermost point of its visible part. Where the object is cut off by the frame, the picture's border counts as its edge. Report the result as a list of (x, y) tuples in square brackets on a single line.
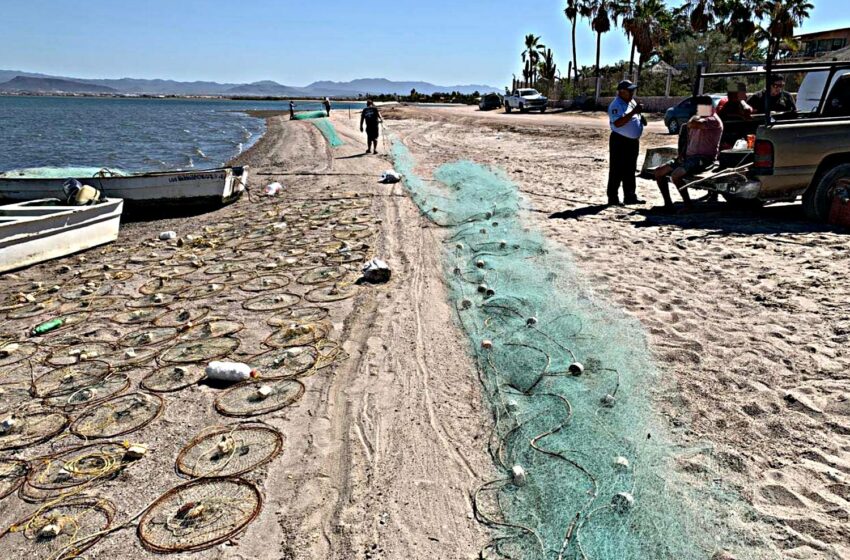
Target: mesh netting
[(589, 471), (329, 132)]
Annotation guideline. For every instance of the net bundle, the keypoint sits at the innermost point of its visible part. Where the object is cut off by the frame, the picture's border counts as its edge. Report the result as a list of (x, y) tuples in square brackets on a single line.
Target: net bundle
[(589, 471)]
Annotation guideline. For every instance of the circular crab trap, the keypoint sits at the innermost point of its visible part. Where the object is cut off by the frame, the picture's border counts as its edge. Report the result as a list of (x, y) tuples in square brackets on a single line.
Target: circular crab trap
[(252, 244), (231, 278), (225, 268), (149, 258), (297, 334), (33, 309), (58, 532), (87, 333), (265, 283), (118, 416), (137, 316), (229, 451), (199, 515), (169, 379), (351, 227), (207, 290), (125, 358), (105, 272), (346, 257), (253, 398), (13, 472), (165, 286), (215, 328), (30, 427), (330, 352), (77, 353), (271, 301), (204, 350), (174, 270), (14, 352), (96, 304), (91, 394), (148, 337), (153, 300), (181, 317), (91, 290), (298, 314), (327, 294), (285, 363), (352, 235), (13, 396), (322, 275), (69, 379), (59, 323), (80, 465)]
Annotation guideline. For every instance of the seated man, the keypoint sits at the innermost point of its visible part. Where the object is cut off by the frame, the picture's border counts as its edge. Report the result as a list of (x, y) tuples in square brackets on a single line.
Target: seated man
[(698, 149), (780, 100), (734, 106)]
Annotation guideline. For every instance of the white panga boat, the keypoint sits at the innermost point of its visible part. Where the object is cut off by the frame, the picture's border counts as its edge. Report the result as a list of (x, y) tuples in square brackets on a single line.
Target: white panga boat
[(201, 187), (39, 230)]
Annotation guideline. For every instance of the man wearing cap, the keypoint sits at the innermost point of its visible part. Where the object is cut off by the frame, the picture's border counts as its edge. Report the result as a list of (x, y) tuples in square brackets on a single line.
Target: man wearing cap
[(624, 114)]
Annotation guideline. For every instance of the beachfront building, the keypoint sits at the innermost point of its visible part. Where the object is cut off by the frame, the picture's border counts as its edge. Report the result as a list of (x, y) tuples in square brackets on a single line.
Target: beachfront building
[(821, 44)]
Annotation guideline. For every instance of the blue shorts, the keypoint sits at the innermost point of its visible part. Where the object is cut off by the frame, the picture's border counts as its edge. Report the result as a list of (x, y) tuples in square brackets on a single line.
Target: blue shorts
[(692, 164)]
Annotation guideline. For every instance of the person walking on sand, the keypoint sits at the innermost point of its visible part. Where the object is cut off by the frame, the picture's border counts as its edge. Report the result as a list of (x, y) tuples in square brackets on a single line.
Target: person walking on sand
[(292, 110), (327, 104), (372, 118), (627, 123)]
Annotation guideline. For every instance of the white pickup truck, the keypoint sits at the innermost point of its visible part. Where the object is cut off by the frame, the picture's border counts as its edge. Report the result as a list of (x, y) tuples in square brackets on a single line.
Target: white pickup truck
[(526, 99)]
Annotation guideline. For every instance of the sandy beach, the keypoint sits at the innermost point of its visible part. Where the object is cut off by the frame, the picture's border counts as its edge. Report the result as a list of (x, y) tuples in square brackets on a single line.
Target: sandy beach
[(745, 313)]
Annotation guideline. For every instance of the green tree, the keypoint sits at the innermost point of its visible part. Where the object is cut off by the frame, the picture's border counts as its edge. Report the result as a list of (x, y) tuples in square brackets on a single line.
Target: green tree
[(652, 23), (780, 20), (572, 13), (598, 11), (531, 57)]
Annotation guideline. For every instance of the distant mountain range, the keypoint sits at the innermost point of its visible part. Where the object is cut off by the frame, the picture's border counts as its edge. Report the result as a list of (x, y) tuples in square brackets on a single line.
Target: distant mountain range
[(13, 81)]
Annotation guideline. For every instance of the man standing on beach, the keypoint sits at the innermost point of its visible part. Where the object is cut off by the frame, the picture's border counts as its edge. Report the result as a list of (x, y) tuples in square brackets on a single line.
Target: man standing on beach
[(292, 110), (327, 104), (627, 122), (372, 118)]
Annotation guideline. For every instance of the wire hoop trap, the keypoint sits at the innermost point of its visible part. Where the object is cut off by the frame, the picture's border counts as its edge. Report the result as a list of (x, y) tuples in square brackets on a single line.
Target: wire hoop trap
[(148, 337), (78, 353), (298, 314), (13, 396), (322, 275), (169, 379), (327, 294), (225, 451), (213, 328), (14, 352), (203, 350), (92, 304), (181, 317), (330, 353), (153, 300), (199, 515), (66, 380), (346, 257), (231, 278), (165, 286), (252, 398), (92, 393), (59, 532), (285, 363), (174, 271), (225, 268), (271, 302), (137, 316), (13, 472), (87, 333), (126, 358), (265, 284), (297, 334), (92, 290), (118, 416), (207, 290), (30, 427), (83, 465), (32, 309)]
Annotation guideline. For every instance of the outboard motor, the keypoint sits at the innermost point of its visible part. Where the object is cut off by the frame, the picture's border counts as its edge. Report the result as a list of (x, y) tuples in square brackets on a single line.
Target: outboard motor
[(78, 194)]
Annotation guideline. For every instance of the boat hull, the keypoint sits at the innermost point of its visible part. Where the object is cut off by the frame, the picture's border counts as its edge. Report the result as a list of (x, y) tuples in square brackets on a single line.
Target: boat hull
[(215, 186), (32, 232)]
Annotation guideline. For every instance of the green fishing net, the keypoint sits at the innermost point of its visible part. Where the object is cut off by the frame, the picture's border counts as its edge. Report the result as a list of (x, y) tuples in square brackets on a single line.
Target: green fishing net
[(307, 115), (61, 172), (323, 124), (589, 469)]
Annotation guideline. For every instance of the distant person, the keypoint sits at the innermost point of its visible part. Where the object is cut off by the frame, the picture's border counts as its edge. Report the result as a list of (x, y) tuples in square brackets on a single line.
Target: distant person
[(327, 104), (699, 145), (292, 110), (627, 123), (780, 100), (372, 118), (734, 106)]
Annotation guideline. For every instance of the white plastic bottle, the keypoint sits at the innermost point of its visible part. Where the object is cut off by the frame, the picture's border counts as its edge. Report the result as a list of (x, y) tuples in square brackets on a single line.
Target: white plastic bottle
[(229, 371)]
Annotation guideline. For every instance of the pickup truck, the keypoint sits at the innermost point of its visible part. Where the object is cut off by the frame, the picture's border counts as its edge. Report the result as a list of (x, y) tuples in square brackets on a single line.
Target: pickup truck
[(806, 153), (526, 99)]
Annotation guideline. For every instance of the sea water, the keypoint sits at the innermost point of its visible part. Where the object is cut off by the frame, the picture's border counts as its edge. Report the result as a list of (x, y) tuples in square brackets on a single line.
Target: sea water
[(132, 134)]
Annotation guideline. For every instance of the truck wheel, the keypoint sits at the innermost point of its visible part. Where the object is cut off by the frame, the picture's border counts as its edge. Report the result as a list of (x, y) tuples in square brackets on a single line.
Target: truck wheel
[(507, 107), (742, 203), (521, 108), (818, 198), (673, 127), (543, 109)]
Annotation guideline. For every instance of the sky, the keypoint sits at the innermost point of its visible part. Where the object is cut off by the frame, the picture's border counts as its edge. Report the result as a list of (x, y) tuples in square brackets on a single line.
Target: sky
[(447, 42)]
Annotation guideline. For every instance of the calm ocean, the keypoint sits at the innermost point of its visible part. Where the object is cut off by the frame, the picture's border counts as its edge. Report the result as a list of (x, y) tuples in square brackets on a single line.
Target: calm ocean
[(130, 134)]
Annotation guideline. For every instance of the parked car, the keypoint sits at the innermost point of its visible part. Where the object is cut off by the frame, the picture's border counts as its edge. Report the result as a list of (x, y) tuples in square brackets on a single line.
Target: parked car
[(526, 99), (490, 101), (678, 115)]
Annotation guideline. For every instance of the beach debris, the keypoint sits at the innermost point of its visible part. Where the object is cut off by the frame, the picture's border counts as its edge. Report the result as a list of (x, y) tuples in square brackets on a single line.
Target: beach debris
[(47, 326), (135, 451), (511, 405), (376, 271), (8, 424), (486, 344), (389, 177), (226, 445), (621, 464), (576, 369), (531, 322), (520, 478), (167, 235), (230, 371), (272, 189), (622, 502), (609, 401), (264, 392), (9, 349), (482, 288), (54, 529), (465, 304), (480, 263)]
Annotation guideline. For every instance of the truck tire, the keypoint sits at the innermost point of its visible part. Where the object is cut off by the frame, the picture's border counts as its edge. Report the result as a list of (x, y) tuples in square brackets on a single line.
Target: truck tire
[(818, 197), (742, 203), (521, 108), (674, 126), (543, 109), (507, 107)]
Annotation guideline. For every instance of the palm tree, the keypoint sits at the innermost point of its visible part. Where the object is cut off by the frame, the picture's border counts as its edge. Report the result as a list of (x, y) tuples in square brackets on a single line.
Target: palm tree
[(598, 12), (783, 16), (547, 67), (531, 56), (702, 14), (624, 10), (652, 23), (737, 19), (572, 13)]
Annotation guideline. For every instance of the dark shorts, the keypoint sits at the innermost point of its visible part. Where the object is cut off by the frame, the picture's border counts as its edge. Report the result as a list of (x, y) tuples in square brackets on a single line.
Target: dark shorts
[(692, 164), (372, 133)]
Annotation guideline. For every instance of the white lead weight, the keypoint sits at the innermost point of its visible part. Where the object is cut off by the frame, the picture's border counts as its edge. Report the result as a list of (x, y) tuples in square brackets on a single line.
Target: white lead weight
[(520, 478), (576, 369)]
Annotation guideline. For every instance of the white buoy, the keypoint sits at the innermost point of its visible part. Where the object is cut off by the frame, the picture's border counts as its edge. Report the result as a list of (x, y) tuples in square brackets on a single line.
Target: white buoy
[(576, 369), (520, 478), (621, 464)]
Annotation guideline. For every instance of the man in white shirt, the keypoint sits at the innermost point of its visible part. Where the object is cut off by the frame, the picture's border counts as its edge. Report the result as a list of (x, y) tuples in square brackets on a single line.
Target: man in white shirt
[(627, 123)]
